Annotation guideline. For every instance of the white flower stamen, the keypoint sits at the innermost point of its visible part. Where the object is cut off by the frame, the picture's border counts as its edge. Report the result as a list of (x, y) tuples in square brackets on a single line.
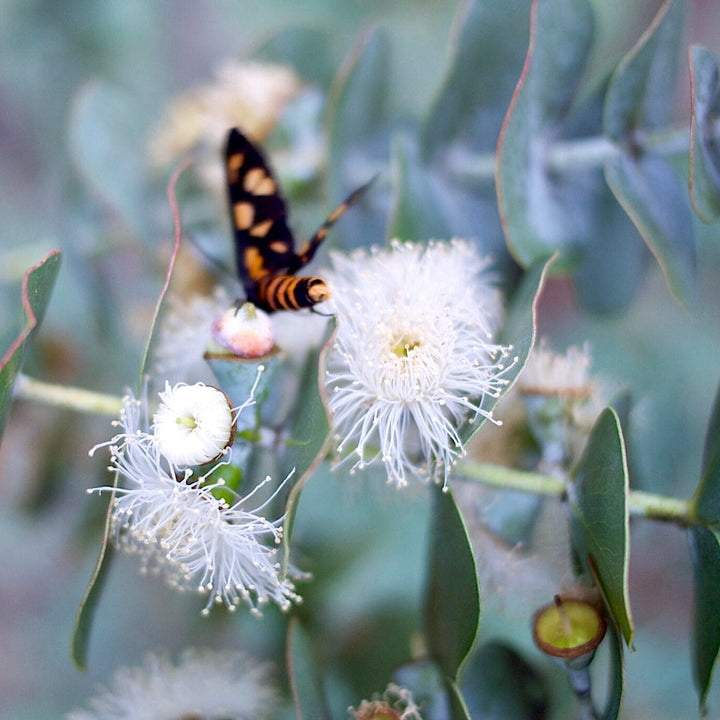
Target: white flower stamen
[(414, 357), (176, 522), (202, 684), (194, 424)]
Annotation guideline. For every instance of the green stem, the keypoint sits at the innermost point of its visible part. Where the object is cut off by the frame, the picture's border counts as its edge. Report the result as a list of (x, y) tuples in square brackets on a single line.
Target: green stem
[(640, 504), (73, 398), (581, 152)]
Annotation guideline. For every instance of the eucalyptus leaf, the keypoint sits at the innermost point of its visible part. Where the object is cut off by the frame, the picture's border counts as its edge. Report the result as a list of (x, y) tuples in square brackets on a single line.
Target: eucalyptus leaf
[(37, 285), (707, 497), (457, 708), (309, 432), (305, 49), (358, 136), (704, 146), (542, 210), (418, 213), (652, 196), (616, 683), (487, 53), (80, 638), (641, 90), (639, 98), (613, 265), (519, 330), (452, 597), (428, 204), (705, 554), (598, 501), (499, 683), (306, 684), (103, 137)]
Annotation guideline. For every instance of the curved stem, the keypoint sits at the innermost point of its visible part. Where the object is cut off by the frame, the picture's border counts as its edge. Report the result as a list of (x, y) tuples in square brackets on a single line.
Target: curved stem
[(73, 398), (640, 503)]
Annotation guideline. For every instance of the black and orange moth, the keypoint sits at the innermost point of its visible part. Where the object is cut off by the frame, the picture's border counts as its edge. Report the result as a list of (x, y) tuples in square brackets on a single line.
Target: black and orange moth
[(264, 244)]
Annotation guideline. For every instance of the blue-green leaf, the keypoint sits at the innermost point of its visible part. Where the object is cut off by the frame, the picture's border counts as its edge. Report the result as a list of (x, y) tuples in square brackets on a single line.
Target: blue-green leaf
[(80, 637), (303, 48), (598, 500), (35, 295), (499, 683), (705, 554), (359, 136), (103, 139), (707, 497), (418, 212), (309, 432), (652, 196), (616, 684), (641, 90), (541, 210), (306, 684), (487, 52), (639, 98), (704, 148), (518, 330), (452, 597)]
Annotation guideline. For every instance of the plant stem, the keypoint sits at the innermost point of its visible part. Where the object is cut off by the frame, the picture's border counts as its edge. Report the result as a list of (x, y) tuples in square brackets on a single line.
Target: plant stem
[(579, 153), (73, 398), (640, 504)]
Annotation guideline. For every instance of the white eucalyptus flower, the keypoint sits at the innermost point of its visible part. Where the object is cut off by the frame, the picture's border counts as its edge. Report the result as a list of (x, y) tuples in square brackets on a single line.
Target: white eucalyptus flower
[(414, 356), (181, 526), (562, 401), (250, 94), (205, 685), (194, 424), (184, 334)]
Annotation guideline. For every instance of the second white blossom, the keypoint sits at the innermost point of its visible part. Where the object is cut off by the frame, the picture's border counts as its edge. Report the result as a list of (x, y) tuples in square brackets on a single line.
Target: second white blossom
[(414, 356)]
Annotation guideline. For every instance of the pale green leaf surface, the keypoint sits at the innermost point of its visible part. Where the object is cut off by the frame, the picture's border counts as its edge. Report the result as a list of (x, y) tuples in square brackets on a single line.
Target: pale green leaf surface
[(305, 683), (541, 211), (656, 202), (600, 523), (452, 597), (35, 295), (704, 147), (705, 555)]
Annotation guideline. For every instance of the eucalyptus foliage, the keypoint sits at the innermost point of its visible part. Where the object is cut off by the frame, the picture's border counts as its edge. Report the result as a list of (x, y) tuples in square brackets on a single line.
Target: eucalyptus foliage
[(596, 197)]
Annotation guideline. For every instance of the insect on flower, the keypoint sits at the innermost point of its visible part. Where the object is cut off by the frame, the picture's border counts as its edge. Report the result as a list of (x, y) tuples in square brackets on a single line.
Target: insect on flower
[(264, 244)]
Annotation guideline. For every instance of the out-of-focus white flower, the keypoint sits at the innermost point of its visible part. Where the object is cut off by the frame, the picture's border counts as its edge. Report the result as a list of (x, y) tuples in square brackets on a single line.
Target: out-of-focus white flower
[(414, 356), (246, 331), (184, 334), (180, 525), (204, 684), (252, 95), (194, 424), (396, 703), (257, 97), (562, 402)]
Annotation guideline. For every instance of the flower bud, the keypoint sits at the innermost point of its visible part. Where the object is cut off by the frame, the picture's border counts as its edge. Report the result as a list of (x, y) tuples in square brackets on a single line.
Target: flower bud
[(246, 331)]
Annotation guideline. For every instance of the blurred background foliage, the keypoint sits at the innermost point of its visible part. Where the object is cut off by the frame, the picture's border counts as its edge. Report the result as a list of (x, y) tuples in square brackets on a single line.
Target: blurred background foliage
[(82, 87)]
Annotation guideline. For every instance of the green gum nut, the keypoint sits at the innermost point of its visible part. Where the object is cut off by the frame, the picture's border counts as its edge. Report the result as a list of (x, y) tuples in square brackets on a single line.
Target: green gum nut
[(569, 628)]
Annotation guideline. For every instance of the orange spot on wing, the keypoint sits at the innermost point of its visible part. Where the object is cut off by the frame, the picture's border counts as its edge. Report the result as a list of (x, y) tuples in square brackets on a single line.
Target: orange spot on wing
[(258, 182), (244, 214), (253, 262), (234, 163), (261, 229)]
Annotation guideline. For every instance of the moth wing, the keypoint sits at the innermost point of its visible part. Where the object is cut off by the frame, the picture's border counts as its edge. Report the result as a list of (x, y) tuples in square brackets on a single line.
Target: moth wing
[(264, 244)]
